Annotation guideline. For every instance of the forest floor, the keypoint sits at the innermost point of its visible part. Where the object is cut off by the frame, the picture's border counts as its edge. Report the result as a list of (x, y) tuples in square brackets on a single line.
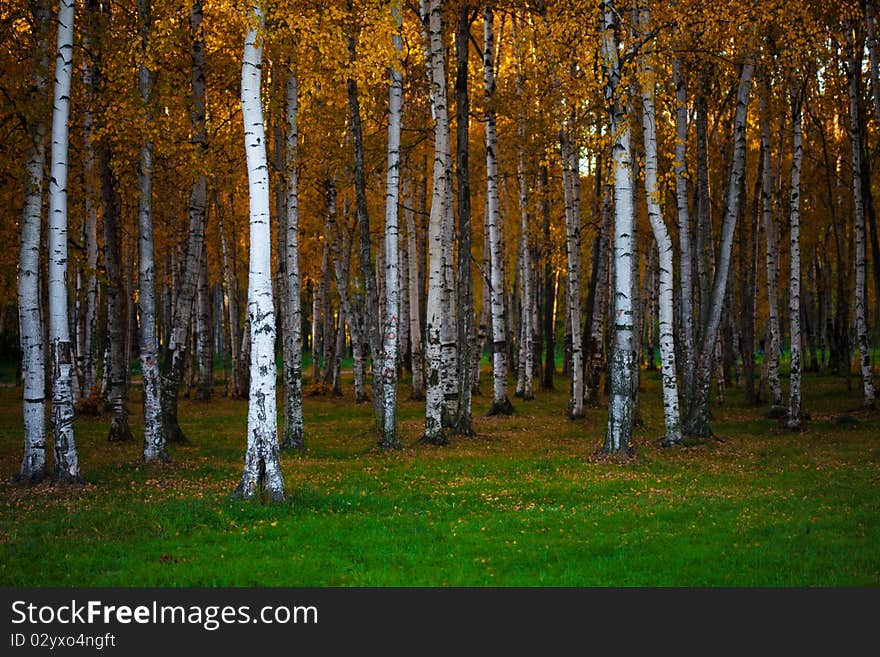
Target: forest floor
[(526, 502)]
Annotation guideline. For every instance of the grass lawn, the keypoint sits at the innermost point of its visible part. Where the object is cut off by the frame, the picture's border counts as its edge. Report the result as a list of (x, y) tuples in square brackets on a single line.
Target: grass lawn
[(525, 503)]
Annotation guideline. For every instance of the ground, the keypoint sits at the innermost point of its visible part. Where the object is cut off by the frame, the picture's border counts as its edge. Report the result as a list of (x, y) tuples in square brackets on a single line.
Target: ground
[(525, 503)]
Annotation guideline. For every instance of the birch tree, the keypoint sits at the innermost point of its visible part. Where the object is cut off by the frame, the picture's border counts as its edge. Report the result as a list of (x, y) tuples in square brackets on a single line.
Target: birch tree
[(500, 402), (439, 199), (686, 276), (664, 248), (697, 418), (365, 253), (87, 346), (293, 410), (67, 469), (174, 356), (573, 278), (618, 438), (771, 354), (154, 433), (467, 347), (30, 312), (794, 290), (527, 347), (262, 467), (392, 276), (854, 71)]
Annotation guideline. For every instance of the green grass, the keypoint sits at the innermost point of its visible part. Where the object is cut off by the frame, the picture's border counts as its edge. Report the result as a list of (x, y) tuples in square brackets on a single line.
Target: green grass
[(526, 502)]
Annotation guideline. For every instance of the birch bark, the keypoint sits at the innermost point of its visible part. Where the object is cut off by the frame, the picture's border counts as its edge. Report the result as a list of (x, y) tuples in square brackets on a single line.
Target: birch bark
[(392, 278), (854, 68), (618, 438), (262, 467), (293, 408), (500, 402), (435, 308), (771, 354), (794, 290), (67, 469), (30, 311), (664, 251), (154, 433), (467, 346)]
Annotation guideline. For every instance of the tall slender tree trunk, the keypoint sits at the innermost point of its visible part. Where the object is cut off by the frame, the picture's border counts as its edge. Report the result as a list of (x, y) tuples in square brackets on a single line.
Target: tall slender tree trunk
[(771, 353), (117, 384), (664, 250), (434, 402), (293, 409), (116, 365), (371, 307), (573, 277), (463, 421), (500, 402), (618, 438), (175, 352), (87, 350), (794, 289), (392, 277), (549, 287), (686, 275), (854, 68), (154, 433), (30, 311), (67, 469), (262, 467), (697, 418)]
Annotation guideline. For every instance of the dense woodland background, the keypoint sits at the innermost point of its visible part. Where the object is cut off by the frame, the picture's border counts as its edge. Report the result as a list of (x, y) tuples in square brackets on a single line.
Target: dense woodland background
[(591, 189)]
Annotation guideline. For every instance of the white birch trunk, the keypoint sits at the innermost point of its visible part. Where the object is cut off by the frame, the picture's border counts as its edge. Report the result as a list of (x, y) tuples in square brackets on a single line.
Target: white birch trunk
[(439, 198), (666, 269), (392, 275), (500, 402), (618, 438), (154, 432), (293, 408), (771, 354), (527, 329), (66, 459), (571, 192), (854, 74), (30, 312), (794, 290), (262, 467)]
